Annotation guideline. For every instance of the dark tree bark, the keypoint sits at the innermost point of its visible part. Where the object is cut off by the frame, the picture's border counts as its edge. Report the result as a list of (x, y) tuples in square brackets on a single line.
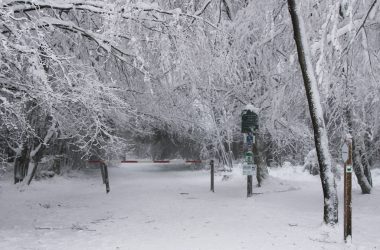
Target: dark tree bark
[(21, 163), (330, 214), (262, 170), (104, 171), (360, 162), (37, 153), (36, 160), (361, 167)]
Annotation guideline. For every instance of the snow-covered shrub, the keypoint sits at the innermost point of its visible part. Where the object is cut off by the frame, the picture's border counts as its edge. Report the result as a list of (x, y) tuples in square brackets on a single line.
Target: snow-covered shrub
[(311, 165), (45, 174)]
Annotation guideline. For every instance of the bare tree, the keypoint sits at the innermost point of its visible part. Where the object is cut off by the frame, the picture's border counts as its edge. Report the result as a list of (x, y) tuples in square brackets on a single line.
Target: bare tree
[(316, 114)]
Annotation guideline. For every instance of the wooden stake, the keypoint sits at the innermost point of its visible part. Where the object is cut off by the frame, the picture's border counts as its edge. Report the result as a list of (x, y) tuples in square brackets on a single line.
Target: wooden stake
[(347, 194), (106, 181), (249, 186), (212, 175)]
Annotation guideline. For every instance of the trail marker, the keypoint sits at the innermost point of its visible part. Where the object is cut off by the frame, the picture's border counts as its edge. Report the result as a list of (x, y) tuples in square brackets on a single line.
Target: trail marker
[(249, 127), (347, 157)]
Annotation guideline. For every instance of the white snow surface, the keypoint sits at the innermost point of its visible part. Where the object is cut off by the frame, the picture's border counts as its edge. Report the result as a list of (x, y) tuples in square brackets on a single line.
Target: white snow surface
[(252, 108), (170, 207)]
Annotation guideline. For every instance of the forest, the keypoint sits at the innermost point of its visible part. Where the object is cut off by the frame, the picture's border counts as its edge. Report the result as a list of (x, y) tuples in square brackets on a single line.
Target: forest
[(105, 80)]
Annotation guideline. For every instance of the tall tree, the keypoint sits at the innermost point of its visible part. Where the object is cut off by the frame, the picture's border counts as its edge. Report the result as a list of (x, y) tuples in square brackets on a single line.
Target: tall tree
[(316, 114)]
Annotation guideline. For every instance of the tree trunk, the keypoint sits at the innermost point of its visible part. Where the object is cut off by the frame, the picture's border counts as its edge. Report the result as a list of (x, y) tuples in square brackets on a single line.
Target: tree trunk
[(360, 162), (330, 214), (364, 180), (261, 170), (34, 170), (38, 152), (366, 167), (57, 165), (36, 159), (59, 156), (21, 163)]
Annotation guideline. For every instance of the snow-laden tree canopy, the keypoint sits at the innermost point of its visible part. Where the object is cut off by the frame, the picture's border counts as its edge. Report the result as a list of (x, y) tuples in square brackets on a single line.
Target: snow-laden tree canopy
[(103, 74)]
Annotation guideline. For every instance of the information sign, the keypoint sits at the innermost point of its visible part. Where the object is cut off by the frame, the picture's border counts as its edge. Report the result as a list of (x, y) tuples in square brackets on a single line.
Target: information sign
[(249, 169)]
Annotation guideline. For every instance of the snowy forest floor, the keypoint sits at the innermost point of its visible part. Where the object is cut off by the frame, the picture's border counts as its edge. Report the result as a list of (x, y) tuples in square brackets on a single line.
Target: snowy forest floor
[(170, 207)]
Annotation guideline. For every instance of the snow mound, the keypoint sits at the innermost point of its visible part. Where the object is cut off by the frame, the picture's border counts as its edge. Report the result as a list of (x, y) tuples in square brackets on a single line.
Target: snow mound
[(293, 173)]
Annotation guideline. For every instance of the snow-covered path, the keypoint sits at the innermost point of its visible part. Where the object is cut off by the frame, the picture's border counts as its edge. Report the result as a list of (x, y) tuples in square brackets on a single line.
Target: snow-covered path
[(170, 207)]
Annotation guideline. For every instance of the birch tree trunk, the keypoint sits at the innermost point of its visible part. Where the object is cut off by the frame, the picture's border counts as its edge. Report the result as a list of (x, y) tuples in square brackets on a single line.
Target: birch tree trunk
[(330, 214), (360, 161)]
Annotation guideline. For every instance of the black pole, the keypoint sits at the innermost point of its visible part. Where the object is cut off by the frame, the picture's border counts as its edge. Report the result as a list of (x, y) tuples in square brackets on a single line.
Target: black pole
[(104, 169), (107, 179), (102, 172), (249, 185), (212, 175)]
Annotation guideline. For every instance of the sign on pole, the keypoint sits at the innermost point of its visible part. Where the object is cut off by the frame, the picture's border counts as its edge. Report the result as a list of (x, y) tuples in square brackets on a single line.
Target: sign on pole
[(249, 127), (249, 169)]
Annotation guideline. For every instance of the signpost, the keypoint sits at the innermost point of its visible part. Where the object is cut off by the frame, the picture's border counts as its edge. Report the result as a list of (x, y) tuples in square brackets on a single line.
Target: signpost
[(249, 126), (347, 158)]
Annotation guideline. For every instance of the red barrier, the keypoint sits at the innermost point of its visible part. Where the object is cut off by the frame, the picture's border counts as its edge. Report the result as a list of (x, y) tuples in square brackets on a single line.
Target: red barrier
[(95, 161), (161, 161), (193, 161), (155, 161)]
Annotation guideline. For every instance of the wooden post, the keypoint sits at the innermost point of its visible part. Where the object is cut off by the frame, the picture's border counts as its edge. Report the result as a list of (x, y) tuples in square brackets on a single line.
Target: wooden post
[(347, 193), (212, 175), (249, 186), (104, 171), (106, 178)]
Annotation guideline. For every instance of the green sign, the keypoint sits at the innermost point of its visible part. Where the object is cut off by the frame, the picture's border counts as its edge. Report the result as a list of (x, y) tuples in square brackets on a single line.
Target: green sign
[(348, 169), (248, 157), (249, 121)]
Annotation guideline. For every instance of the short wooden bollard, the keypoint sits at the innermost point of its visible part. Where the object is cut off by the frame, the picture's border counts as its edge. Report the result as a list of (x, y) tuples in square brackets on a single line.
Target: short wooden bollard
[(104, 171), (212, 169), (249, 186)]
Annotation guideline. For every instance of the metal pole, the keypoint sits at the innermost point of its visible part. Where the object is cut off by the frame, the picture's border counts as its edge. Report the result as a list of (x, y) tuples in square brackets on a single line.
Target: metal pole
[(249, 185), (249, 177), (347, 193), (212, 175), (102, 172), (106, 178)]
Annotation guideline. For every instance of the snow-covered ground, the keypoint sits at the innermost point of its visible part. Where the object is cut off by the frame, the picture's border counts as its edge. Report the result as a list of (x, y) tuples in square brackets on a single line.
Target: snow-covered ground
[(170, 207)]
